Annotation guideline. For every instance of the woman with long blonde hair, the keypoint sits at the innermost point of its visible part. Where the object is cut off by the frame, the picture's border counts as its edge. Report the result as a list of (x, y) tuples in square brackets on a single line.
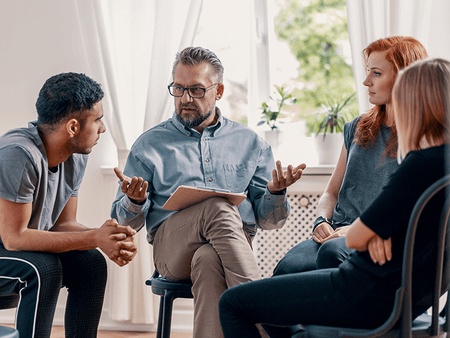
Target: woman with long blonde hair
[(360, 293), (367, 160)]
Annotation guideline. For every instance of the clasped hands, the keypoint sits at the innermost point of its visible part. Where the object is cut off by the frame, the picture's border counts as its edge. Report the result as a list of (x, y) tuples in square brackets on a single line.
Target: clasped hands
[(117, 242), (380, 250)]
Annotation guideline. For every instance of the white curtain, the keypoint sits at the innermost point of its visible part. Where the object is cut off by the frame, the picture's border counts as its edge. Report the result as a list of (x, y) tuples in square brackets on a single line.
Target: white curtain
[(369, 20), (130, 46), (259, 67)]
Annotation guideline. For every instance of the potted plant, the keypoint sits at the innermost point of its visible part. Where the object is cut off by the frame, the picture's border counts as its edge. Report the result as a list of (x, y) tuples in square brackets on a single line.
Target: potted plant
[(272, 112), (327, 125)]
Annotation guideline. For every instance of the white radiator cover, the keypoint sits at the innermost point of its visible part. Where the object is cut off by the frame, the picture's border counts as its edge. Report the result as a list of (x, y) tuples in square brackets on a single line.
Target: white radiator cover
[(271, 245)]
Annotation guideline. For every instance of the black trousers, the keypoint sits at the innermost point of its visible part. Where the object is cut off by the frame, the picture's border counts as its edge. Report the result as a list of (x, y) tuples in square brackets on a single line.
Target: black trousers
[(40, 276)]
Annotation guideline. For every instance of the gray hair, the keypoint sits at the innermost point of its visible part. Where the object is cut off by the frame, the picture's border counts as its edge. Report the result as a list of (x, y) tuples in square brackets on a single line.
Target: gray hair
[(193, 56)]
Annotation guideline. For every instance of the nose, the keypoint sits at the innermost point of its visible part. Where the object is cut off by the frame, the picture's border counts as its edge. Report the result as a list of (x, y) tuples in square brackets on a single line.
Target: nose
[(102, 128), (186, 97), (367, 82)]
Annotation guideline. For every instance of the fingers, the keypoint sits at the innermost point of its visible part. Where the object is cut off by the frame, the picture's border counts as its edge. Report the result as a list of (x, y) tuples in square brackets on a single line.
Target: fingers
[(120, 174), (380, 250), (118, 237), (388, 248)]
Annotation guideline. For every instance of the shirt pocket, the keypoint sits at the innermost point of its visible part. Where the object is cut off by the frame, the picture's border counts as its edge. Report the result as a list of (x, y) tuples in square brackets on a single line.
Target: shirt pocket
[(238, 176)]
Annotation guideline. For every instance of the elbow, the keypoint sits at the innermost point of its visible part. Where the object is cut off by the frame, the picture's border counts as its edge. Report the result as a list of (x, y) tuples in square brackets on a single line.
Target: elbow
[(9, 245)]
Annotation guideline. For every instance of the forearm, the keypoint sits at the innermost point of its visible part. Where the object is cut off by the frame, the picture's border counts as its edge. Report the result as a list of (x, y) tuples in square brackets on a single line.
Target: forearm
[(71, 226), (51, 241), (130, 214), (273, 211), (326, 205)]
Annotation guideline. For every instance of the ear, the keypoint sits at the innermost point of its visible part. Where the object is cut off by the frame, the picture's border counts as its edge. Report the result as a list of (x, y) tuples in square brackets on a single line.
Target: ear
[(73, 127), (219, 91)]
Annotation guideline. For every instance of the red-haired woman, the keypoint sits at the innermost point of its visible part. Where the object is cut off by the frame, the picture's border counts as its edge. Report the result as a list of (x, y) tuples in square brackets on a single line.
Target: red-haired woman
[(360, 292), (367, 160)]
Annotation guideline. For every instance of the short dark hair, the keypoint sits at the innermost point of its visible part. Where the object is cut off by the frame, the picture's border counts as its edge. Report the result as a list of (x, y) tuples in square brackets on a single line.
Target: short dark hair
[(64, 95), (194, 55)]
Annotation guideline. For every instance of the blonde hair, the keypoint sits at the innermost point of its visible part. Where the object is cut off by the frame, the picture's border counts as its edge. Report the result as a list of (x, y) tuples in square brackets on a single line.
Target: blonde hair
[(421, 98)]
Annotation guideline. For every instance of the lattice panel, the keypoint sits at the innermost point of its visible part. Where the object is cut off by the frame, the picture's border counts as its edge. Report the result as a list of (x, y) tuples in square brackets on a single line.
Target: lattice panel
[(271, 245)]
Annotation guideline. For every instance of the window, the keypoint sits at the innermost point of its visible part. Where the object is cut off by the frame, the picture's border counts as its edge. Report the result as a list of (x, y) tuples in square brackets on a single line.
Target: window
[(308, 51)]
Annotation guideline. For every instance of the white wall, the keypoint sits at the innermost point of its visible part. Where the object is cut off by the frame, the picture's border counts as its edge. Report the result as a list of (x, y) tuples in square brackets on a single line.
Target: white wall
[(41, 38)]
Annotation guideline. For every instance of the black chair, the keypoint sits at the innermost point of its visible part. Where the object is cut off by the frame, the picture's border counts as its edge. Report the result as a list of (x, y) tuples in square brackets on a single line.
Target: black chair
[(168, 291), (400, 322)]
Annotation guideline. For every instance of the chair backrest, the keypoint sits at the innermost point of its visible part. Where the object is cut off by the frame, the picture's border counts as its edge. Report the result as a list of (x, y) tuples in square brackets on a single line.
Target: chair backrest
[(442, 250), (402, 312)]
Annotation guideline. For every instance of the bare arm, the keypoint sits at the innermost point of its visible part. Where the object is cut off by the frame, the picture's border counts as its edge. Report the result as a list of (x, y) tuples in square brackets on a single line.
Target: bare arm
[(362, 238), (16, 236), (329, 198)]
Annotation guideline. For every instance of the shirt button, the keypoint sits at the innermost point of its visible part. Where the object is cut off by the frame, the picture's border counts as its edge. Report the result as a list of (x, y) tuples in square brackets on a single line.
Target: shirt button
[(210, 180), (207, 160), (188, 134)]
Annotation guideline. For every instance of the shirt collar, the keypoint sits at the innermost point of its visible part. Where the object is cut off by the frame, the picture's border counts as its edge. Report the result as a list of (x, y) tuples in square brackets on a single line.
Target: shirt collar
[(212, 130)]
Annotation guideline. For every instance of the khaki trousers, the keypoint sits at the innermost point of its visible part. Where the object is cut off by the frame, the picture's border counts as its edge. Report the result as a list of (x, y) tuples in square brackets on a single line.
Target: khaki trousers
[(208, 244)]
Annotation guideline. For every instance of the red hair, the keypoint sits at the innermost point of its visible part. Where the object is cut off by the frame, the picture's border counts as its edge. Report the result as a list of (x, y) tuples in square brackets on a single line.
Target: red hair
[(400, 51)]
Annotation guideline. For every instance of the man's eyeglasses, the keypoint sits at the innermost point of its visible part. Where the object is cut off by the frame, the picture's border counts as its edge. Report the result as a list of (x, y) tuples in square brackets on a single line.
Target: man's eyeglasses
[(194, 92)]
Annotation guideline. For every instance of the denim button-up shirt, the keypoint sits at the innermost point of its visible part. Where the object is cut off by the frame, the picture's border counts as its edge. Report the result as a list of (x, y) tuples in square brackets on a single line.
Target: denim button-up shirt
[(226, 155)]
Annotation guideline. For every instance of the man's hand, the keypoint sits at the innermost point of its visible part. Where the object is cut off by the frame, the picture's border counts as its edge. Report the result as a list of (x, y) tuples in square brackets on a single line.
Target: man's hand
[(283, 179), (117, 251), (126, 245), (135, 188), (380, 250)]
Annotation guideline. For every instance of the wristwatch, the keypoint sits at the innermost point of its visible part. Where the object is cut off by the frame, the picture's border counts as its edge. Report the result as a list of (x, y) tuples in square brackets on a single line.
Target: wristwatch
[(321, 219)]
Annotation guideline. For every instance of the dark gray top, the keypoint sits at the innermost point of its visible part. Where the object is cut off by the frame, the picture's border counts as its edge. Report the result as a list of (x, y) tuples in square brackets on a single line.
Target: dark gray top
[(366, 174)]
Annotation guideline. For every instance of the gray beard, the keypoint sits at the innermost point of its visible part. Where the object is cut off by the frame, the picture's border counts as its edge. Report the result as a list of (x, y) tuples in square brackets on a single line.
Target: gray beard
[(195, 122)]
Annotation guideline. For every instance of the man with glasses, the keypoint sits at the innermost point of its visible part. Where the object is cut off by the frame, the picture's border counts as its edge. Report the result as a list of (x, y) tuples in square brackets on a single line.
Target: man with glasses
[(209, 242)]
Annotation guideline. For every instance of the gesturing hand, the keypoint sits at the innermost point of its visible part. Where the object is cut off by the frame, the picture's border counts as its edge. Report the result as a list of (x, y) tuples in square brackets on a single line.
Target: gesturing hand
[(135, 188), (283, 179)]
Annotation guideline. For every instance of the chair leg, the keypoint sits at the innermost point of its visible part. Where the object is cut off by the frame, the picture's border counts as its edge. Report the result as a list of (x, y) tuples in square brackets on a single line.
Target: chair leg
[(167, 313), (160, 317)]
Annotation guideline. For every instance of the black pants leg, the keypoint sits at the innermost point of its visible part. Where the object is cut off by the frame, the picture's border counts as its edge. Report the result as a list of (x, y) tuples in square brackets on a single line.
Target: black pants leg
[(41, 275)]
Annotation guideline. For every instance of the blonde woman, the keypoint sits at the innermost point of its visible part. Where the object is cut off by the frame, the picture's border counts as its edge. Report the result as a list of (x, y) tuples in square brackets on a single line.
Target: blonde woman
[(363, 287)]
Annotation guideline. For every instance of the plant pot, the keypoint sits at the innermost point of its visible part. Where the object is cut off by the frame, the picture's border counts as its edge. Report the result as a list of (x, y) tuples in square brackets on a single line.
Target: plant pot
[(329, 147), (273, 137)]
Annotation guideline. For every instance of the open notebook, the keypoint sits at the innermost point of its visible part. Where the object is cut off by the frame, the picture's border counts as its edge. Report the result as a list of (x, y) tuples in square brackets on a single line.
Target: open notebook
[(185, 196)]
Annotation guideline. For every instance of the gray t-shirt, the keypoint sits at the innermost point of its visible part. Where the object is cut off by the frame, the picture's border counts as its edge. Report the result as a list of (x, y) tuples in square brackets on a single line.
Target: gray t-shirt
[(365, 175), (26, 178)]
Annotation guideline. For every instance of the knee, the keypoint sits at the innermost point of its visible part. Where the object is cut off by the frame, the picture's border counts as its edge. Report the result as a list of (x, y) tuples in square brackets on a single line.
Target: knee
[(205, 263), (83, 268), (42, 269), (332, 253)]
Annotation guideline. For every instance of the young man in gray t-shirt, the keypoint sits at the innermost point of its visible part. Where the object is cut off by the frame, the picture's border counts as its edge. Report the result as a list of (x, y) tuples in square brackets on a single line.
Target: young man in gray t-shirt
[(42, 246)]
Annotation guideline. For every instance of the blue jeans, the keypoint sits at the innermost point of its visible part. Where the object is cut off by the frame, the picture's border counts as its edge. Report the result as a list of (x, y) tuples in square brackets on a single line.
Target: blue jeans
[(301, 298), (309, 255)]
